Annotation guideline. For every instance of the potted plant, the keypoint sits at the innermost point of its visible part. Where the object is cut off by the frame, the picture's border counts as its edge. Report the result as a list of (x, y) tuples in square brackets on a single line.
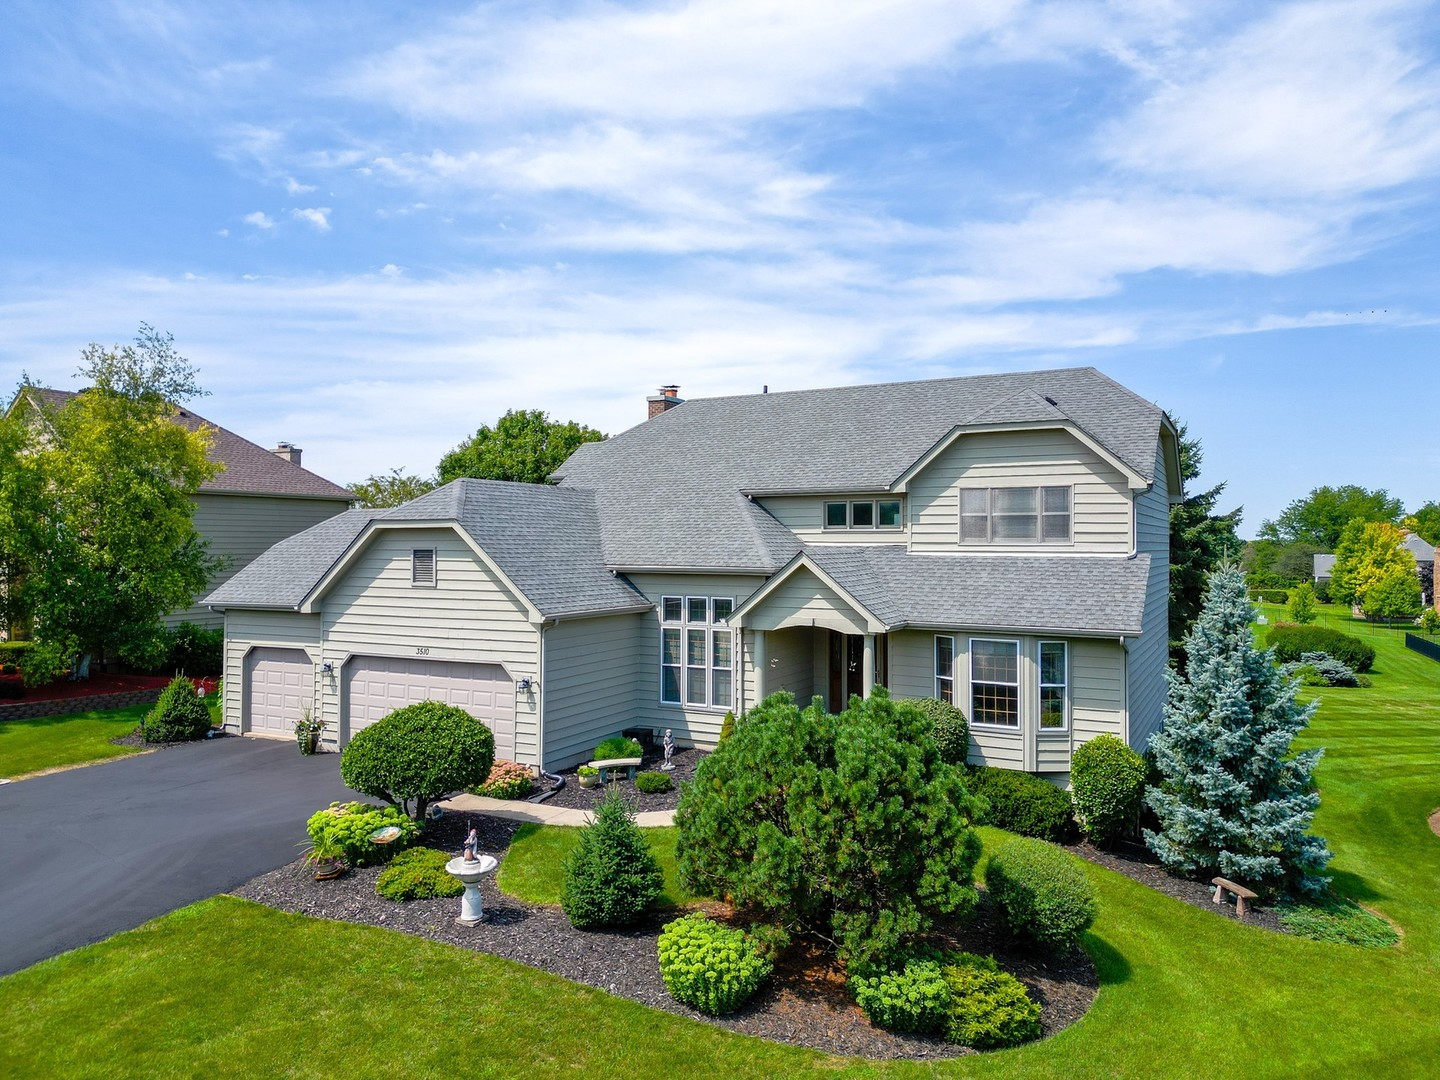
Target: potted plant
[(327, 859), (307, 732), (589, 776)]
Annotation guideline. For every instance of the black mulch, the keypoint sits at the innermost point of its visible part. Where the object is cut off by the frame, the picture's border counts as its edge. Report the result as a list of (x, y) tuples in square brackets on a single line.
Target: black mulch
[(804, 1004), (573, 796), (135, 739), (1138, 864)]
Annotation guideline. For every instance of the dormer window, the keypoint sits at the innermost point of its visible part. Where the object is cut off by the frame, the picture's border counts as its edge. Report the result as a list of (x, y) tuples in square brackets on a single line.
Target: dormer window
[(863, 514), (422, 567), (1015, 514)]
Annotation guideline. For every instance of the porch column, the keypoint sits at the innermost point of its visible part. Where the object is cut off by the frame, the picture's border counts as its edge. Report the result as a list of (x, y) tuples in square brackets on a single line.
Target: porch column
[(868, 676), (757, 654)]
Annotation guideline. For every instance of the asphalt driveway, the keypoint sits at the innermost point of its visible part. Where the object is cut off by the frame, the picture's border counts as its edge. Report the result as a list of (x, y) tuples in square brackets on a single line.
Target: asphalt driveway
[(89, 852)]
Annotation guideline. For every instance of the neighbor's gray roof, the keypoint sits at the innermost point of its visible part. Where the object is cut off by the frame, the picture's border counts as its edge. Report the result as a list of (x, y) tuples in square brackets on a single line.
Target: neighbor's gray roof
[(1047, 593), (250, 469), (1324, 566), (545, 539), (669, 491), (1419, 547)]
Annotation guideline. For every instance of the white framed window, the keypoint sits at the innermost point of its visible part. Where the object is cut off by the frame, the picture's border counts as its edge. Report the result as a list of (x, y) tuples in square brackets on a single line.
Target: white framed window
[(945, 668), (1015, 514), (422, 567), (837, 515), (994, 683), (863, 514), (887, 514), (697, 651), (1054, 686)]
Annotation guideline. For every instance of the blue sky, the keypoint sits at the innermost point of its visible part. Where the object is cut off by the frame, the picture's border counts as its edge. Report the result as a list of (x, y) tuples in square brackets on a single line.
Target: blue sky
[(375, 227)]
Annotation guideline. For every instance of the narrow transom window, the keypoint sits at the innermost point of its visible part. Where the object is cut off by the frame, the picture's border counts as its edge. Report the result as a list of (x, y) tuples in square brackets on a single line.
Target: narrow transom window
[(1054, 681), (422, 566), (995, 682), (945, 669)]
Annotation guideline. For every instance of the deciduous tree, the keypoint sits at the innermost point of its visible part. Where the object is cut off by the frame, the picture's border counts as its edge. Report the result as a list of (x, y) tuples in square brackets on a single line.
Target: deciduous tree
[(1320, 517), (391, 489), (525, 446), (1366, 553)]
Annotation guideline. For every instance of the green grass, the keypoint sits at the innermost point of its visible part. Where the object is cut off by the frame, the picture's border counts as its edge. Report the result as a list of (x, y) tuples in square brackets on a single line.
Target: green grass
[(1336, 918), (531, 870), (229, 988), (49, 742)]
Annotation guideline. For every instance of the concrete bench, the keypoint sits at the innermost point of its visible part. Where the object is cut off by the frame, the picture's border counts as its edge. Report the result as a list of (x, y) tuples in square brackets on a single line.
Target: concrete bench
[(629, 764), (1241, 894)]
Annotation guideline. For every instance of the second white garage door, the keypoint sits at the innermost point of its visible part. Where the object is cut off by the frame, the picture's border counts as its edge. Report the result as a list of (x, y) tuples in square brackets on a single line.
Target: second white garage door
[(376, 686)]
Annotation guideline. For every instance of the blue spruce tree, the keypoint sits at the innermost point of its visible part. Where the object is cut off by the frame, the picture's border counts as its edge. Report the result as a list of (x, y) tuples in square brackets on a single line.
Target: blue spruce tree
[(1234, 799)]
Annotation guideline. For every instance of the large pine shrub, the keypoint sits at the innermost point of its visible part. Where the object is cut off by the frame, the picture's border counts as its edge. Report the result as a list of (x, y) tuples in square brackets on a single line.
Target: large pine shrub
[(611, 878), (1234, 799)]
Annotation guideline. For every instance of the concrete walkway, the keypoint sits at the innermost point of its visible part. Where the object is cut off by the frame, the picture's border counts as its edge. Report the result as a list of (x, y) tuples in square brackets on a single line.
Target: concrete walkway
[(543, 813)]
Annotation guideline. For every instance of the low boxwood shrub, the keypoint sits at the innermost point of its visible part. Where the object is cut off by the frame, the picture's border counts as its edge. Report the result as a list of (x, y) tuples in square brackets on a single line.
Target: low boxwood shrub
[(653, 783), (1107, 781), (989, 1008), (13, 652), (914, 998), (949, 727), (417, 754), (179, 715), (418, 874), (1291, 642), (710, 967), (1022, 803), (611, 878), (1270, 596), (507, 780), (1040, 894), (618, 746), (342, 831)]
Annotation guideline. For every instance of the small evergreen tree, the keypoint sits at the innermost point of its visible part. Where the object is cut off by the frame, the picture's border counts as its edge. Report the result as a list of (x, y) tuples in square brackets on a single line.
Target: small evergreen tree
[(1302, 604), (611, 878), (1233, 798)]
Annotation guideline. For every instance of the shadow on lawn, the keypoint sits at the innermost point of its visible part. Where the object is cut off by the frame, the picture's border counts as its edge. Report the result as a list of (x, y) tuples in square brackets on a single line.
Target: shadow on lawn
[(1110, 965), (1353, 886)]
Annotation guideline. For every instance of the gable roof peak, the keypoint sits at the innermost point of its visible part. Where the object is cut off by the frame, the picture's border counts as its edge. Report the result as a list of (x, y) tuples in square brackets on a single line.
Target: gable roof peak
[(1025, 406)]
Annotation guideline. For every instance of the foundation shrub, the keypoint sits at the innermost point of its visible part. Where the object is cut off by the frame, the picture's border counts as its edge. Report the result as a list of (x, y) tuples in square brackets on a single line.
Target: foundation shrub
[(949, 728), (418, 754), (1040, 894), (1107, 781), (418, 874), (611, 877), (652, 783), (1022, 803), (179, 715), (342, 830), (617, 746), (507, 780), (712, 968), (1291, 642), (989, 1008)]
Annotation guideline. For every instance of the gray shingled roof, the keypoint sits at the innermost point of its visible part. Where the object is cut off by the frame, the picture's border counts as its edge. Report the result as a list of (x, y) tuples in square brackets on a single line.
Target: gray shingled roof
[(667, 488), (250, 469), (545, 539), (1049, 593)]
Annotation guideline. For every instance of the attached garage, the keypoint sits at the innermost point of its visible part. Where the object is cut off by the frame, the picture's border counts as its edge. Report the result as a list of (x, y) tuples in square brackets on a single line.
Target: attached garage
[(375, 686), (279, 687)]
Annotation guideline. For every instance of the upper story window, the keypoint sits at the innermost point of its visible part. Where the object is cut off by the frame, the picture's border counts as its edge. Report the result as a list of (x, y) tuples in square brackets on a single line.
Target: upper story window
[(1015, 514), (697, 655), (863, 514), (422, 566)]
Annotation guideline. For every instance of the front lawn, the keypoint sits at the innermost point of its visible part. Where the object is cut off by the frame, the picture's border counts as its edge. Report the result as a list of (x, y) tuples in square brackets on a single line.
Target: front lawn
[(49, 742), (532, 870), (231, 988)]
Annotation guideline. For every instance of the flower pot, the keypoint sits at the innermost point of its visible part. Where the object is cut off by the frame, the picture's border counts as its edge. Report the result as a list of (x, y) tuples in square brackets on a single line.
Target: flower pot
[(589, 781), (329, 871)]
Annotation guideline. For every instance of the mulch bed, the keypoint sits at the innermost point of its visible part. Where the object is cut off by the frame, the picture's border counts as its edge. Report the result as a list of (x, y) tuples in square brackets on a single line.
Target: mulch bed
[(135, 739), (574, 797), (1138, 864), (102, 684), (804, 1004)]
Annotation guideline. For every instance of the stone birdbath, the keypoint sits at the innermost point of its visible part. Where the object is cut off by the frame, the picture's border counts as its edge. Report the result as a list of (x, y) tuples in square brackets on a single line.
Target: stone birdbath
[(470, 868)]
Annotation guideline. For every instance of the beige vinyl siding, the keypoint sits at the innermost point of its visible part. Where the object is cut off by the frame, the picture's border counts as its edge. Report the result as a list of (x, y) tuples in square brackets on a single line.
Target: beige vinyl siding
[(790, 660), (1100, 501), (591, 683), (240, 528), (912, 664), (804, 515), (247, 630), (692, 725), (804, 600), (468, 615), (1149, 653)]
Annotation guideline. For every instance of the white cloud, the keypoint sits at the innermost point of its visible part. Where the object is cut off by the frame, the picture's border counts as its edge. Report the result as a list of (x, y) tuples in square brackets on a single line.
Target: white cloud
[(391, 270), (222, 232), (316, 216), (294, 187), (260, 220)]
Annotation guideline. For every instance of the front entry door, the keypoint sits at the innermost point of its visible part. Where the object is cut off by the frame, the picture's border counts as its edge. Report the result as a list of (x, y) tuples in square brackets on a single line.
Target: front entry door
[(847, 669)]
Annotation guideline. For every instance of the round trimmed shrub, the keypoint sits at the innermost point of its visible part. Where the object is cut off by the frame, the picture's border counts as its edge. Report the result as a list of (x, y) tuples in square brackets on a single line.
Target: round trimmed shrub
[(179, 715), (652, 783), (1022, 803), (611, 878), (507, 780), (949, 728), (989, 1008), (342, 831), (710, 967), (914, 999), (418, 754), (418, 874), (1291, 642), (1040, 894), (1107, 782)]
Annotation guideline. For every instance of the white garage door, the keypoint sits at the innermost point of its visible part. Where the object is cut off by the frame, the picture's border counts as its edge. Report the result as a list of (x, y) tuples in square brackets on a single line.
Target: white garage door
[(279, 687), (376, 686)]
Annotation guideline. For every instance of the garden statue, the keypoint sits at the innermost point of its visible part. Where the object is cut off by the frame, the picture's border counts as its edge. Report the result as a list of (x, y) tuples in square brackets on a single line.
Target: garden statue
[(668, 746), (472, 841)]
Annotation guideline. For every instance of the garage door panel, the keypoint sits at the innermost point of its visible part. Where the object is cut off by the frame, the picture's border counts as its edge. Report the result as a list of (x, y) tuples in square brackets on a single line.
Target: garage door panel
[(279, 685), (376, 686)]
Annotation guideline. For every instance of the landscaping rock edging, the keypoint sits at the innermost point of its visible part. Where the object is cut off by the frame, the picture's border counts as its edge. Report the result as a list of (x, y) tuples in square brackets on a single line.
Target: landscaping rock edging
[(31, 710)]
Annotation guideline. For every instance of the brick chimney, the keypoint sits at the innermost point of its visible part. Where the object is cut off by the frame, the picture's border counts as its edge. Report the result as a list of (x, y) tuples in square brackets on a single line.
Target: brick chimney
[(288, 452), (664, 401)]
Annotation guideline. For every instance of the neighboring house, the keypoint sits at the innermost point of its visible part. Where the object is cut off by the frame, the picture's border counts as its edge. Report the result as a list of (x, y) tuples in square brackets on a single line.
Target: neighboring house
[(258, 499), (1324, 567), (999, 541)]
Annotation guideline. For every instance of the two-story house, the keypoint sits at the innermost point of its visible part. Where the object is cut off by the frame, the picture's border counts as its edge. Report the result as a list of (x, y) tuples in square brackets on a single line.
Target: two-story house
[(997, 541)]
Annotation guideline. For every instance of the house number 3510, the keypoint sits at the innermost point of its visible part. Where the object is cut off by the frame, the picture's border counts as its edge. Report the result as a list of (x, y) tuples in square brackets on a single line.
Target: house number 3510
[(422, 650)]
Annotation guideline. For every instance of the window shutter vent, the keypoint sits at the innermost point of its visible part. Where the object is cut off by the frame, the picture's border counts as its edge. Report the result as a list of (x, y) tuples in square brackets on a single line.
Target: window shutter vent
[(422, 566)]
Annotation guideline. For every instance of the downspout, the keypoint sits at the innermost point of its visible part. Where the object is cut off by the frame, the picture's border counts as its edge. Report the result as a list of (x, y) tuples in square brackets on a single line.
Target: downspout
[(557, 782)]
